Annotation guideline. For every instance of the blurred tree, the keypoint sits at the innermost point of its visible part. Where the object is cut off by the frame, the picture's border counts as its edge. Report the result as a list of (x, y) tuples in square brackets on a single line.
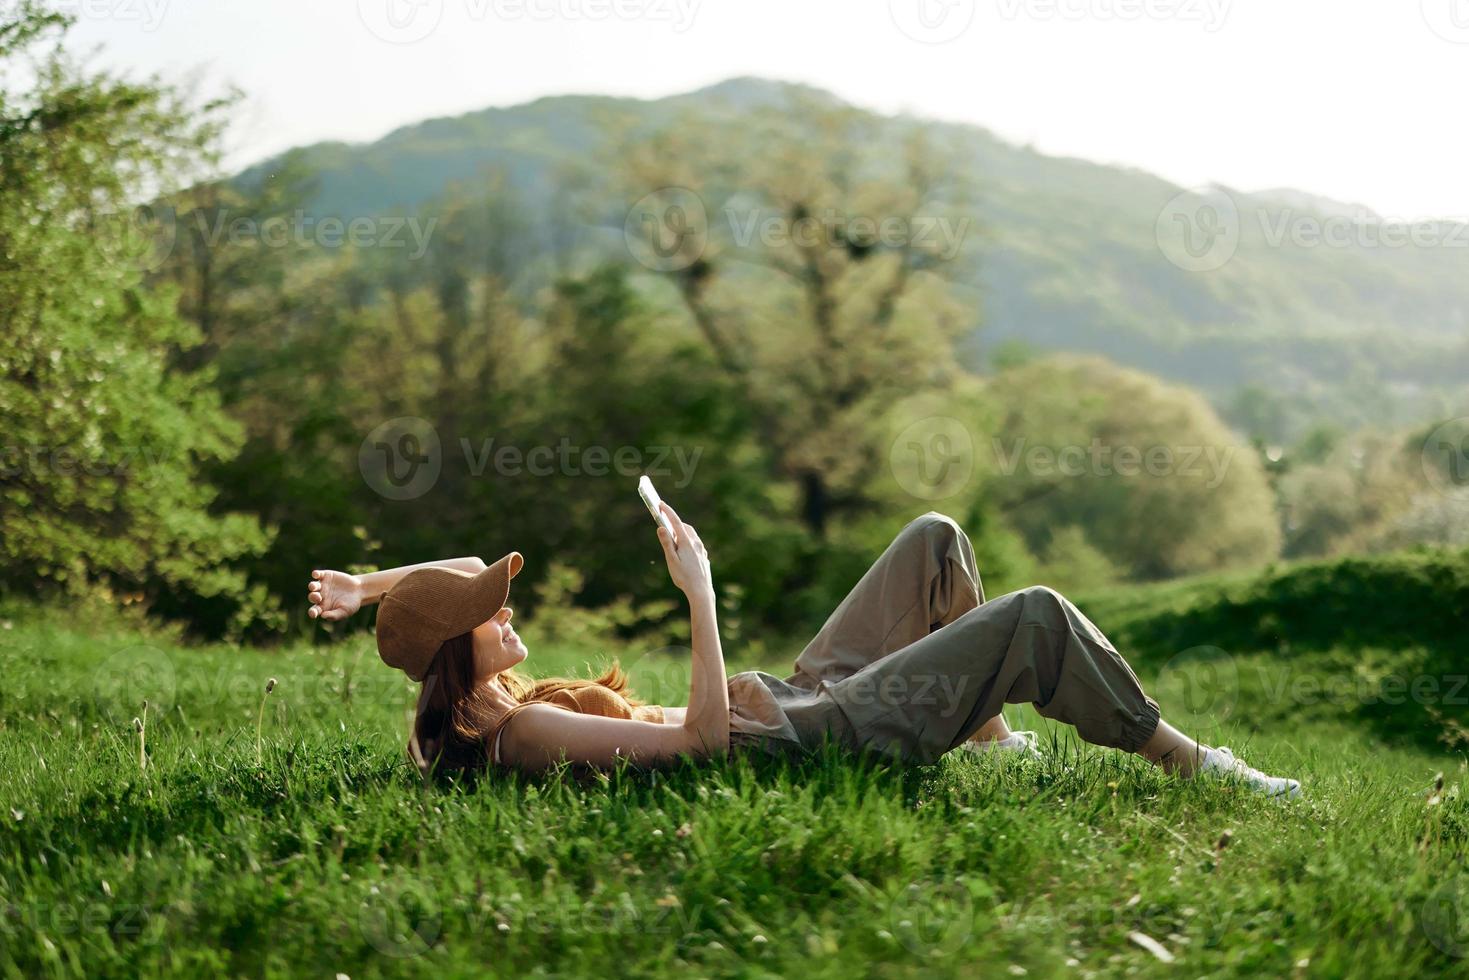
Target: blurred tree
[(1320, 509), (1013, 353), (1145, 471), (1071, 563), (105, 434), (1260, 413), (1372, 491), (1317, 444), (624, 385), (278, 322), (809, 273)]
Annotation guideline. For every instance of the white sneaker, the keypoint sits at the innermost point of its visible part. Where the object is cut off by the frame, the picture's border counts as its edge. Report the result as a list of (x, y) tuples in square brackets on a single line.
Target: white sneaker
[(1022, 742), (1221, 762)]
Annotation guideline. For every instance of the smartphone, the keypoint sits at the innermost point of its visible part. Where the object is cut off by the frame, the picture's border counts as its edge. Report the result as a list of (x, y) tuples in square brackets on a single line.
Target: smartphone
[(651, 498)]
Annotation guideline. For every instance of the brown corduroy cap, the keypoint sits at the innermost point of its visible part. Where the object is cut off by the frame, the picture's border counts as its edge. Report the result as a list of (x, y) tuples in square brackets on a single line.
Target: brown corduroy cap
[(432, 605)]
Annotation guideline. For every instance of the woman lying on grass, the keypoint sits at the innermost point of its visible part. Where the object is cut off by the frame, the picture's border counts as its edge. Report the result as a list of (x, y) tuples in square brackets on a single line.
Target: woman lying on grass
[(913, 664)]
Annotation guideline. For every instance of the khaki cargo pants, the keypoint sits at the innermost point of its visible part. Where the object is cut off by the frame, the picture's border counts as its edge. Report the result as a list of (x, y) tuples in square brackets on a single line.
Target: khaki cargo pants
[(914, 660)]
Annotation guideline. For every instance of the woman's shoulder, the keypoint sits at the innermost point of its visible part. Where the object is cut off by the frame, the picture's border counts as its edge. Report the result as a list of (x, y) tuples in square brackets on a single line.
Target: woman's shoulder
[(536, 711), (534, 724)]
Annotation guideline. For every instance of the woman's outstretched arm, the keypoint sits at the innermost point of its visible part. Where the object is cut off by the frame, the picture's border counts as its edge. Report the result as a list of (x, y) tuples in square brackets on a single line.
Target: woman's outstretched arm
[(336, 595)]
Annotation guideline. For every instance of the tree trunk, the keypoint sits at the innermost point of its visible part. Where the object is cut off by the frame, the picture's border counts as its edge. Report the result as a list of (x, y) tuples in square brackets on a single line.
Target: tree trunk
[(815, 503)]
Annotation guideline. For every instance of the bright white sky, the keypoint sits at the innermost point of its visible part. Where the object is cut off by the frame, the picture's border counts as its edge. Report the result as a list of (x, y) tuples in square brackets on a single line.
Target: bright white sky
[(1359, 100)]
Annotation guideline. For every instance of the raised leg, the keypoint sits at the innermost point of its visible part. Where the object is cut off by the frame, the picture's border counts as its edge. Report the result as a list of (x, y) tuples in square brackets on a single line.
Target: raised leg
[(926, 579), (1031, 646)]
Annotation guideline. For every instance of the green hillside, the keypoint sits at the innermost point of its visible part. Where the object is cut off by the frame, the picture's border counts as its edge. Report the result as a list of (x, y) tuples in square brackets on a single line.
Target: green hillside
[(1062, 253), (1371, 641)]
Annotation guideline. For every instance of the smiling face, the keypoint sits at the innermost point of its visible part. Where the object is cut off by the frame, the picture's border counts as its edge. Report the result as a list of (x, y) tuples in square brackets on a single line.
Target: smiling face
[(497, 646)]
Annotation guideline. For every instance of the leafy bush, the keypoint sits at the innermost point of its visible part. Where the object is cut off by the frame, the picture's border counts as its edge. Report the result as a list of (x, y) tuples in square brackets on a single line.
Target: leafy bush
[(1146, 470)]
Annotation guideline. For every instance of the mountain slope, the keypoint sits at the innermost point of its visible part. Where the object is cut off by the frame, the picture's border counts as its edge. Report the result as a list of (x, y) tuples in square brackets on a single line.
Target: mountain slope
[(1319, 309)]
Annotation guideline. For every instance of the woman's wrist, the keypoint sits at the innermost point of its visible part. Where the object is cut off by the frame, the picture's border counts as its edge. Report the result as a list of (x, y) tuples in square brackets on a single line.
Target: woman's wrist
[(365, 592)]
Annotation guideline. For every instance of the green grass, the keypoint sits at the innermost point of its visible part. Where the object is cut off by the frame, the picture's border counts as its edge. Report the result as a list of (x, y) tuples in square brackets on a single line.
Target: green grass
[(328, 855)]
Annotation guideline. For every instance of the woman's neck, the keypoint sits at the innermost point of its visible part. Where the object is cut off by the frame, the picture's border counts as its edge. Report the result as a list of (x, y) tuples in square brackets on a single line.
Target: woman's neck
[(499, 694)]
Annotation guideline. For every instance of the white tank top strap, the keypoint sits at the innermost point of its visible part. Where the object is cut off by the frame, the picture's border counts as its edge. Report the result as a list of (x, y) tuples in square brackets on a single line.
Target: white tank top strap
[(500, 731)]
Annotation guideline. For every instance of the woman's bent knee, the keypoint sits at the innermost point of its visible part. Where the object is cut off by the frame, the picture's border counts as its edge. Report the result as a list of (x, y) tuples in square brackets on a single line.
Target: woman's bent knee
[(1043, 595), (933, 523)]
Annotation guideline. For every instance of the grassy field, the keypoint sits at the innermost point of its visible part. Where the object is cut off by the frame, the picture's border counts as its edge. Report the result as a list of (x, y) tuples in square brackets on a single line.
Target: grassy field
[(293, 838)]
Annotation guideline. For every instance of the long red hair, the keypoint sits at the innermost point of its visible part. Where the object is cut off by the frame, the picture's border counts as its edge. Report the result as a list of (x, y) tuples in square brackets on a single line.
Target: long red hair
[(455, 721)]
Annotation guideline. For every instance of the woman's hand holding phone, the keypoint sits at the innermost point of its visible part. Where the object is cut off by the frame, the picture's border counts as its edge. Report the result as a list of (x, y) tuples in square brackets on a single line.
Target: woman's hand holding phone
[(688, 562)]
